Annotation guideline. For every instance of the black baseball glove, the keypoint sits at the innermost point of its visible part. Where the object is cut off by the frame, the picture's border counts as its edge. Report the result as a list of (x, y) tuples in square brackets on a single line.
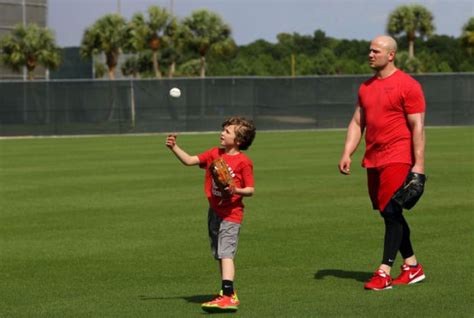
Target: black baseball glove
[(411, 190)]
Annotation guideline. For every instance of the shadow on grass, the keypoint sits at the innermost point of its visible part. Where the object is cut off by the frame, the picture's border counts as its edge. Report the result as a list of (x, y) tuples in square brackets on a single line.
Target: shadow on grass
[(197, 299), (339, 273)]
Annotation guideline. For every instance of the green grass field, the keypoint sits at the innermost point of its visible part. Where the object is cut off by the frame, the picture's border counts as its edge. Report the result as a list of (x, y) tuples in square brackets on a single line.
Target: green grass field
[(116, 227)]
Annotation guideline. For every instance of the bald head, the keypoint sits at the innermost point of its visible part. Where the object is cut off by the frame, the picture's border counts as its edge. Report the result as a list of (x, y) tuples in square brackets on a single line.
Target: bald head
[(382, 53), (387, 42)]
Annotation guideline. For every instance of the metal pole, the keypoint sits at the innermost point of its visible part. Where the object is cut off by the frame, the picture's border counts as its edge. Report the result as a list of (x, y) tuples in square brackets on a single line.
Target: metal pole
[(25, 110), (23, 11), (23, 8), (132, 104), (46, 25), (293, 65)]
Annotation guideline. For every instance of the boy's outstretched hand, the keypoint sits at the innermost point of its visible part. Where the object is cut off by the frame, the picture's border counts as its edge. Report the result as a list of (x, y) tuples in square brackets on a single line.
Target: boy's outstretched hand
[(171, 140)]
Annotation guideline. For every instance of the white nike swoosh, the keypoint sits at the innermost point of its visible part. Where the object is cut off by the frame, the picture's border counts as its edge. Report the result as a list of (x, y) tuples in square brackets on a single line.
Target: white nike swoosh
[(411, 276)]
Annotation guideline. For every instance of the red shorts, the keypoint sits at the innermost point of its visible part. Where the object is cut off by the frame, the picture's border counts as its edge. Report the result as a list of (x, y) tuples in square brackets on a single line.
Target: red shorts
[(384, 181)]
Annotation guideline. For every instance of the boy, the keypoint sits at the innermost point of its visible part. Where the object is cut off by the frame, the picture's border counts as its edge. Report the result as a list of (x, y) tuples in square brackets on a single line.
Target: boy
[(225, 209)]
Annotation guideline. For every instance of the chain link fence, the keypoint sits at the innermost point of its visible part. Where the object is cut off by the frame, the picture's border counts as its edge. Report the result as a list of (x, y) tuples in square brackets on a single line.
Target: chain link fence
[(61, 107)]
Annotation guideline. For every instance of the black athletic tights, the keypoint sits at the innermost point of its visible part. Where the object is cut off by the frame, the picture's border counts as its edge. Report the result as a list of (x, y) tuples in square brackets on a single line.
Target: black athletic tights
[(397, 234)]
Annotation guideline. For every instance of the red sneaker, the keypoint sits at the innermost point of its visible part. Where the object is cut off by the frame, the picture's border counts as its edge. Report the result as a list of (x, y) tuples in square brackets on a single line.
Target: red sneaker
[(409, 275), (379, 281), (222, 303)]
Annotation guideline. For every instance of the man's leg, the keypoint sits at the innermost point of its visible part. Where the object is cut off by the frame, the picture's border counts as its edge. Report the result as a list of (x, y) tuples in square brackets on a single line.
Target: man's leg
[(394, 234), (406, 248), (391, 177), (411, 271)]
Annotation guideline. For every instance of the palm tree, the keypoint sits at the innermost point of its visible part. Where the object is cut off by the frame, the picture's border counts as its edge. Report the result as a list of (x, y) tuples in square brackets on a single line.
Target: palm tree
[(131, 67), (29, 46), (175, 40), (148, 34), (407, 64), (207, 29), (107, 35), (467, 36), (413, 20)]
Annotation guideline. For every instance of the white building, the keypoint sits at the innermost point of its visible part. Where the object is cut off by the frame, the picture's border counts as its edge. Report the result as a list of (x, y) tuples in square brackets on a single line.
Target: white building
[(13, 12)]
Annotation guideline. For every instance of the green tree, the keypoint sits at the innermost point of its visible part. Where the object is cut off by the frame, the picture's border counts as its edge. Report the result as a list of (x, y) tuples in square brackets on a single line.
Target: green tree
[(100, 69), (324, 62), (131, 67), (135, 44), (356, 50), (190, 67), (413, 21), (467, 36), (149, 33), (407, 64), (107, 35), (320, 40), (256, 48), (438, 49), (244, 63), (207, 29), (175, 39), (29, 46)]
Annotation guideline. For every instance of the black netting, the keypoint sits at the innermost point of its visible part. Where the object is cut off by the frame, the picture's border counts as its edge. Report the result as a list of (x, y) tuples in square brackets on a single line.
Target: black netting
[(126, 106)]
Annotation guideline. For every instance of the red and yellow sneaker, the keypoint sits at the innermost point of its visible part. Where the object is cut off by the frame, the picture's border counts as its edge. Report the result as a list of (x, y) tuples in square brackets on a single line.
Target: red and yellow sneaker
[(222, 303), (379, 281), (409, 275)]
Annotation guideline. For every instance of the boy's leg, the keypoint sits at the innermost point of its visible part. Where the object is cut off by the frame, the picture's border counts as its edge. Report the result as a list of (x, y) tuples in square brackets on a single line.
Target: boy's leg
[(224, 239), (227, 248), (227, 268), (213, 225), (224, 236), (228, 275)]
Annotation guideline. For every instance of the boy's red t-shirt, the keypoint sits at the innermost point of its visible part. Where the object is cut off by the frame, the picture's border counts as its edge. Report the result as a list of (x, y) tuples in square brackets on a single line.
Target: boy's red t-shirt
[(385, 103), (229, 209)]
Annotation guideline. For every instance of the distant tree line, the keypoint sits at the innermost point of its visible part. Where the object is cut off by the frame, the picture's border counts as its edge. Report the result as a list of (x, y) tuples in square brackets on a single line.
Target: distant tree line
[(326, 56), (159, 44)]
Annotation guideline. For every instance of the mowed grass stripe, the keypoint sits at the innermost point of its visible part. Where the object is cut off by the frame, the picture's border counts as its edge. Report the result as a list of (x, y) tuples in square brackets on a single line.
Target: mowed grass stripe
[(116, 227)]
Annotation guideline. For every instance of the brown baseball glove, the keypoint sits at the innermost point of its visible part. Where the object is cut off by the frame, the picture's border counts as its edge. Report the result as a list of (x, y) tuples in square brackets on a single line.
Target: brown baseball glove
[(223, 176)]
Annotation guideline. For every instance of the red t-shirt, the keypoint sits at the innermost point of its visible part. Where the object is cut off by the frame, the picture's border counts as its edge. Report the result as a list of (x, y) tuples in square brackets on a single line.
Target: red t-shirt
[(229, 209), (385, 103)]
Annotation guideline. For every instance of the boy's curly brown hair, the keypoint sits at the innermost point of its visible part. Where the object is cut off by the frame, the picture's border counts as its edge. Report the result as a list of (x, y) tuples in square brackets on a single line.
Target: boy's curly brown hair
[(244, 132)]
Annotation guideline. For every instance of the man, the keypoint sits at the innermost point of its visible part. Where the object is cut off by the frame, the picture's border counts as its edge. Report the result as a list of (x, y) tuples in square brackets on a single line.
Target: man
[(391, 111)]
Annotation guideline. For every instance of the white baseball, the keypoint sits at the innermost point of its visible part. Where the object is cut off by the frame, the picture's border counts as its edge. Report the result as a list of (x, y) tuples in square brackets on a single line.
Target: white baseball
[(175, 92)]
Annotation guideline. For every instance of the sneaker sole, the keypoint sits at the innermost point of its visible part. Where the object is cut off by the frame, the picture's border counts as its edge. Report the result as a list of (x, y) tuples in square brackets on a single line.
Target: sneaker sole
[(219, 309), (417, 280), (378, 289)]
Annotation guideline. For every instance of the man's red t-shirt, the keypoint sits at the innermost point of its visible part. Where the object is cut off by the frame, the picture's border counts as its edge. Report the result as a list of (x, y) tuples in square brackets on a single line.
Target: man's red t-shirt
[(228, 209), (385, 103)]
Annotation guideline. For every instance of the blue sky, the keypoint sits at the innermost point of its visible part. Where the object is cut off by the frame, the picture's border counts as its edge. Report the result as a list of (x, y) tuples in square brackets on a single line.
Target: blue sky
[(264, 19)]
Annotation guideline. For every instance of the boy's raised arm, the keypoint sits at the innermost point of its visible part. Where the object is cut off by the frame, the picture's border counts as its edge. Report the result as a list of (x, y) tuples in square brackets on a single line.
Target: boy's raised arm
[(182, 155)]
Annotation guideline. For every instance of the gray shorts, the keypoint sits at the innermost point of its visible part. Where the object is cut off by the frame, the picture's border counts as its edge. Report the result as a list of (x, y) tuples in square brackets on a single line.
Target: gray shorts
[(223, 236)]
